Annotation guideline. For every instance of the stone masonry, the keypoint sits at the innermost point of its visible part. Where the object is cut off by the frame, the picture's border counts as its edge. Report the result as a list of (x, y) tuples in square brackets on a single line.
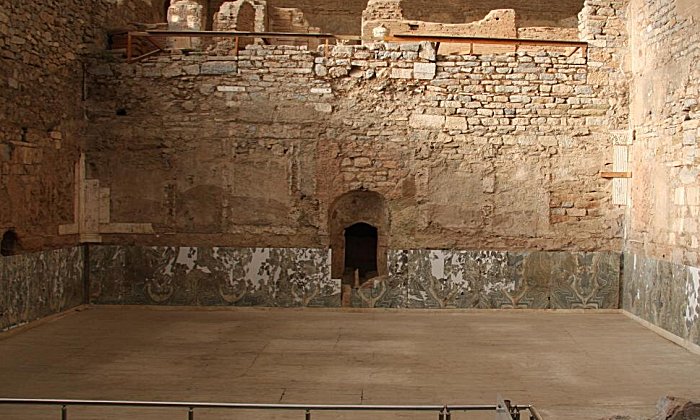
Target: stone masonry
[(450, 142), (662, 269), (477, 152), (42, 50)]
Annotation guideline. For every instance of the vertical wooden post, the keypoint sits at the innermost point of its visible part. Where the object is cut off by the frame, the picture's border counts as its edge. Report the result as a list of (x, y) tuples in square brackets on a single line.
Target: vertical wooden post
[(237, 45), (128, 47), (326, 52)]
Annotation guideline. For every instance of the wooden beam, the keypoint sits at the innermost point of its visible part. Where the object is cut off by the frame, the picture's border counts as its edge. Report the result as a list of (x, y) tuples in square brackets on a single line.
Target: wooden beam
[(483, 40), (616, 174), (143, 56), (225, 34)]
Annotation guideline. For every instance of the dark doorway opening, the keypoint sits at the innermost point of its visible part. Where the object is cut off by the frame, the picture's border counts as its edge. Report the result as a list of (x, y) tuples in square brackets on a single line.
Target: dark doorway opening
[(361, 250), (10, 243)]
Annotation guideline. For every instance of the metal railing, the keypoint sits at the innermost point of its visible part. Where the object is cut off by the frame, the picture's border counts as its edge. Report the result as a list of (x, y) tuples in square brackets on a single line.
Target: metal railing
[(153, 35), (502, 410)]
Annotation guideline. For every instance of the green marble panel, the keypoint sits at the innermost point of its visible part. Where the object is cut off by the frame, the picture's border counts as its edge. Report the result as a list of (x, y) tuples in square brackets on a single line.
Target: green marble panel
[(39, 284), (663, 293), (204, 276)]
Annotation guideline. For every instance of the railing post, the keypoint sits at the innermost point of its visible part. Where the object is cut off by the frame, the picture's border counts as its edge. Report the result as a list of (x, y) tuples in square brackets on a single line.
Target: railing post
[(441, 416), (308, 415), (64, 412), (190, 414)]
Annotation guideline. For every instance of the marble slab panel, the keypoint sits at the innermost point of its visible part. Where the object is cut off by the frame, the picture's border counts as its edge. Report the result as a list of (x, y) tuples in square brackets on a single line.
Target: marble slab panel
[(36, 285), (587, 280), (285, 277), (494, 279), (663, 293)]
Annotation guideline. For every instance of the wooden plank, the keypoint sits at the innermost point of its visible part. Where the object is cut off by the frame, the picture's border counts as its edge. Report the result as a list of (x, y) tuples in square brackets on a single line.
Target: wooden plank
[(223, 34), (143, 56), (482, 40), (616, 174)]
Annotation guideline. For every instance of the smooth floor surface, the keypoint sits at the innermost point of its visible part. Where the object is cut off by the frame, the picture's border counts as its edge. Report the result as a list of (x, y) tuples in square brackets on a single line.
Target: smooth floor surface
[(570, 366)]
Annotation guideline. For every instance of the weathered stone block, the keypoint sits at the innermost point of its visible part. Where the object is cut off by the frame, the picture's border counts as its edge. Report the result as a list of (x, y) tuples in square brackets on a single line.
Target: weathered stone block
[(230, 88), (425, 71), (427, 121), (401, 73), (218, 68), (456, 123), (321, 91)]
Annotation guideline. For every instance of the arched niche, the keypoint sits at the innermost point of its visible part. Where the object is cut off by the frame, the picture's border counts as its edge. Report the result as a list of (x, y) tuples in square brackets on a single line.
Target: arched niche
[(354, 216), (9, 245), (241, 15)]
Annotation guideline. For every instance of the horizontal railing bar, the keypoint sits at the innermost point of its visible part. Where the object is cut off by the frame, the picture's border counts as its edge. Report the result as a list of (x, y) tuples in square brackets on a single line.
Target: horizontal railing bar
[(205, 34), (174, 404), (247, 406), (483, 40), (484, 407)]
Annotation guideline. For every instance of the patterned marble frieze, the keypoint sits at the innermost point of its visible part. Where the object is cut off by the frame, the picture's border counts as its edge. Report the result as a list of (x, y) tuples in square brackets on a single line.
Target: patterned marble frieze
[(663, 293), (36, 285), (282, 277), (493, 279)]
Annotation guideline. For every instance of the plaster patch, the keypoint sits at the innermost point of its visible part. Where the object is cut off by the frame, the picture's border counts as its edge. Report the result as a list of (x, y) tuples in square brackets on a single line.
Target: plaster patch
[(437, 264), (255, 272), (693, 287), (506, 286)]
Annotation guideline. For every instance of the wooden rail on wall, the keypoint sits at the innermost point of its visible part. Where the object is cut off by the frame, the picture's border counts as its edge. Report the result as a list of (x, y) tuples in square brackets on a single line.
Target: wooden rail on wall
[(516, 42), (265, 36), (153, 36), (612, 175)]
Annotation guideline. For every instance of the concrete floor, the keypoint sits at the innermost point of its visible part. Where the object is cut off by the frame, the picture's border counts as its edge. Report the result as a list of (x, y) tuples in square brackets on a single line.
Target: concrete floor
[(570, 366)]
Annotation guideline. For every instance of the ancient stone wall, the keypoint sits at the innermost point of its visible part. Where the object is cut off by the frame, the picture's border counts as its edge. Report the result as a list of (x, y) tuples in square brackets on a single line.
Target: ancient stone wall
[(497, 151), (42, 49), (35, 285), (530, 13), (662, 224), (41, 106), (344, 17)]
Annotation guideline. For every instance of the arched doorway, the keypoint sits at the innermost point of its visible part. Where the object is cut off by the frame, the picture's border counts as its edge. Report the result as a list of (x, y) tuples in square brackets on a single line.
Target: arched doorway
[(9, 244), (359, 227), (361, 251)]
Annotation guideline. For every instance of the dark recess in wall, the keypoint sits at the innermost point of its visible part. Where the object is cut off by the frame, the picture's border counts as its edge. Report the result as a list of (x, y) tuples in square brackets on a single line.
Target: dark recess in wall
[(10, 243)]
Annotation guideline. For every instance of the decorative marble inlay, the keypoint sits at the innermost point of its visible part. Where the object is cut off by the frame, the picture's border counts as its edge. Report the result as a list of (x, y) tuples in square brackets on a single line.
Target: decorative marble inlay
[(36, 285), (493, 279), (664, 294), (284, 277)]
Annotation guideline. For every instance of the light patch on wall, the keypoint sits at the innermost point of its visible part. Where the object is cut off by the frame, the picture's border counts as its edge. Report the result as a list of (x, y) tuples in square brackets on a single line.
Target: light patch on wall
[(254, 272), (689, 8), (188, 257), (437, 264), (505, 286), (621, 185), (693, 311)]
